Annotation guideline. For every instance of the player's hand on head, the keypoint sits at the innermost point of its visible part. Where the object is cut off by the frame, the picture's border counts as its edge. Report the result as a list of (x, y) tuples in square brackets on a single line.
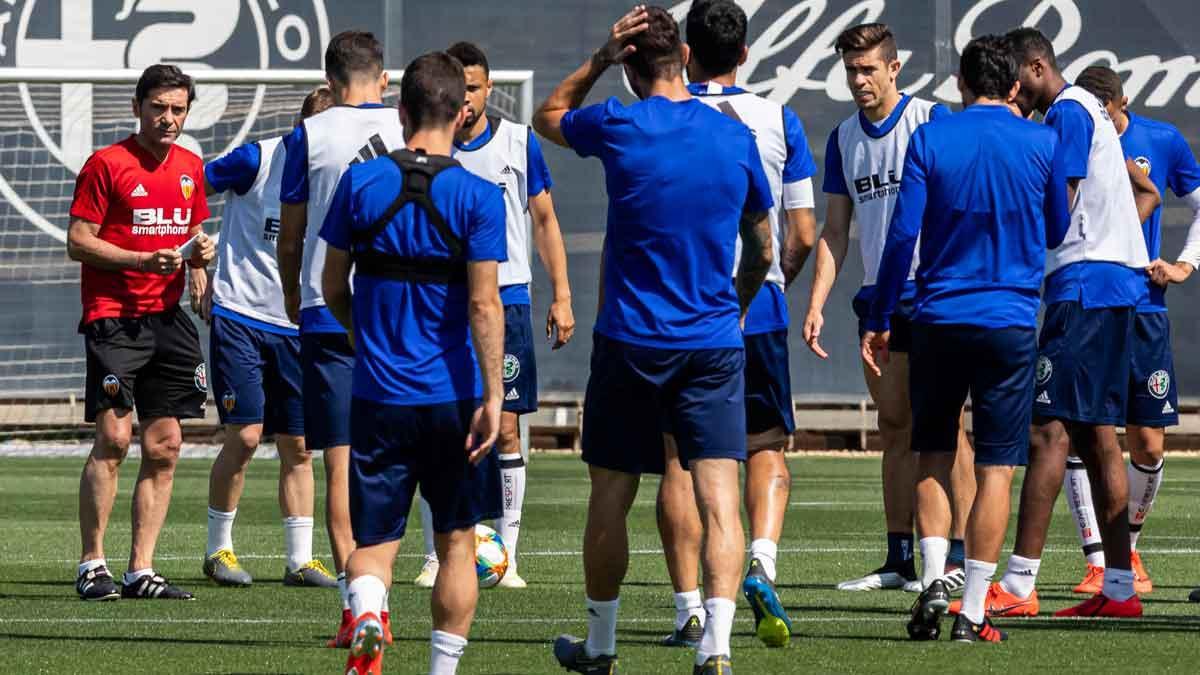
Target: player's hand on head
[(812, 333), (485, 429), (615, 50), (875, 350), (163, 261), (560, 318)]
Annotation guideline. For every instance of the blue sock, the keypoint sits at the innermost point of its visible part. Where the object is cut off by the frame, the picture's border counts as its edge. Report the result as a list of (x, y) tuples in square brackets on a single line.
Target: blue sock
[(958, 553), (900, 550)]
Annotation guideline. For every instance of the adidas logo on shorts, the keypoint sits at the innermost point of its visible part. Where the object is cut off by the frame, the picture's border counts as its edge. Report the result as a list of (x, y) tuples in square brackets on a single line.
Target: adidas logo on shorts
[(139, 191), (1043, 398), (512, 395), (1167, 409)]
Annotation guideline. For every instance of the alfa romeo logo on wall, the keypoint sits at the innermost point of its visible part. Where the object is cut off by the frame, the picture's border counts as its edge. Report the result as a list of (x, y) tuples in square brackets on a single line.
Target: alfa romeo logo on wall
[(117, 34)]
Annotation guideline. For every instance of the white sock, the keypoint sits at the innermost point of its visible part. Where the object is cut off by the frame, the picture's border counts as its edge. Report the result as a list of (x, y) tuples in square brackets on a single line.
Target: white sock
[(716, 629), (687, 605), (427, 529), (979, 579), (512, 483), (765, 551), (1118, 584), (1079, 497), (387, 602), (933, 559), (297, 541), (366, 595), (133, 576), (1021, 575), (89, 565), (344, 589), (1143, 488), (445, 651), (602, 627), (220, 530)]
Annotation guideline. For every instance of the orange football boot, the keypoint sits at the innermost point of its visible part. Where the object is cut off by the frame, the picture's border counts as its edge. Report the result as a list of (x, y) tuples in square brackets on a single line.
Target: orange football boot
[(344, 632), (387, 627), (1093, 581), (1141, 579), (1100, 605), (366, 646), (1002, 603)]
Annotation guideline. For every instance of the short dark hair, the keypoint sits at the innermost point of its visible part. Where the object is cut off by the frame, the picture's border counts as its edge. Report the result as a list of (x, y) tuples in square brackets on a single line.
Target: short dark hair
[(318, 101), (988, 67), (1102, 82), (351, 54), (432, 90), (867, 36), (163, 76), (659, 52), (716, 34), (469, 54), (1030, 43)]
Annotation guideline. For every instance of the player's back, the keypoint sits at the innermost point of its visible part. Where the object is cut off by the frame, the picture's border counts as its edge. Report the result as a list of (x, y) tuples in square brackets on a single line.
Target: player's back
[(1156, 147), (413, 338), (988, 177), (678, 176)]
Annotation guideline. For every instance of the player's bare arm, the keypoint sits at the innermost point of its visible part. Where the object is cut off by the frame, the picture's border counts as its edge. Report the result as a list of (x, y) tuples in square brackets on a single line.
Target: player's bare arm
[(798, 245), (547, 236), (293, 220), (831, 253), (571, 92), (1162, 272), (85, 245), (1145, 193), (757, 255), (487, 333), (335, 286)]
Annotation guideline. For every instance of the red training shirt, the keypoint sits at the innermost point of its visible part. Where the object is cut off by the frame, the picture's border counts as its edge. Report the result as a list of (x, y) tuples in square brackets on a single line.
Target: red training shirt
[(140, 205)]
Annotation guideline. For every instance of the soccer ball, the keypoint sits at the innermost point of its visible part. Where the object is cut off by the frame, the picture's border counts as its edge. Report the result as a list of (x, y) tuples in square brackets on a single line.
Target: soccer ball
[(491, 557)]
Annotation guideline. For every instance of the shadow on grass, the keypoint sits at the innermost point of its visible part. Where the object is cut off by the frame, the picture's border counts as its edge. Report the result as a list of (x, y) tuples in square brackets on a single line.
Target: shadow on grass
[(145, 639)]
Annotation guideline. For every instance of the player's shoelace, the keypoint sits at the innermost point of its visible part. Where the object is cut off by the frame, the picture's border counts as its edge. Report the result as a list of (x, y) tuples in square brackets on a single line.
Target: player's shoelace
[(227, 558), (317, 566)]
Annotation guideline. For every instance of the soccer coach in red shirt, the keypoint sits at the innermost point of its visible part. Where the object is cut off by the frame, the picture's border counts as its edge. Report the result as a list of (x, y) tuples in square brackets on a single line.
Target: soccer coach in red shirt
[(137, 203)]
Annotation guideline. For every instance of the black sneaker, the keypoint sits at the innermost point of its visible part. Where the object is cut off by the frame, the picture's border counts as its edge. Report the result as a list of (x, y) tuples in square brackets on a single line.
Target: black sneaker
[(97, 584), (927, 611), (966, 631), (1194, 596), (688, 636), (153, 586), (571, 655), (715, 665)]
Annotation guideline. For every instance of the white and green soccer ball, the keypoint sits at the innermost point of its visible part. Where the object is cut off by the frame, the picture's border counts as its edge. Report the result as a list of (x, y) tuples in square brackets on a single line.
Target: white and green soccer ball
[(491, 556)]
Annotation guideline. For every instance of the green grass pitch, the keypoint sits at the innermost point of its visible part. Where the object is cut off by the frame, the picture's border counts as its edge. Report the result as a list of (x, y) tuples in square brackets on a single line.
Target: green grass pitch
[(833, 532)]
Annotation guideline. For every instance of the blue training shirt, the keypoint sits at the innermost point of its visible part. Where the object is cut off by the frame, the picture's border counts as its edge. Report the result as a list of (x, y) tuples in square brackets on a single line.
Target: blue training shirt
[(413, 340), (986, 191), (1160, 150), (679, 175), (236, 170)]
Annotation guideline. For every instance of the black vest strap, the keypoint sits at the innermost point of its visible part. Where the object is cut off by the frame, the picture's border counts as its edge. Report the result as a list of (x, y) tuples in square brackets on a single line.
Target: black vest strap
[(419, 170)]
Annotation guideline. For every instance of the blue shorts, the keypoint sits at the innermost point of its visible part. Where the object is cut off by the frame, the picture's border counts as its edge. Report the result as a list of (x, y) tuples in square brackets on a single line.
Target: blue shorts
[(1153, 398), (256, 377), (901, 324), (996, 367), (633, 390), (768, 383), (520, 367), (397, 449), (328, 363), (1083, 364)]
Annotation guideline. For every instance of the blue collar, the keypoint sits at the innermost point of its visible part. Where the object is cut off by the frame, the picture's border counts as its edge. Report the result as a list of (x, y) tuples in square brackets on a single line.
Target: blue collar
[(713, 89), (478, 142), (884, 129), (363, 106)]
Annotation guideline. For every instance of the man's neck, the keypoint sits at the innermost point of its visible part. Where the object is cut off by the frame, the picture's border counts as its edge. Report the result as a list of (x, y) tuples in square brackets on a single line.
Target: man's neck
[(881, 112), (159, 151), (476, 130), (359, 94), (673, 89), (438, 141), (1121, 122), (727, 80), (1054, 86)]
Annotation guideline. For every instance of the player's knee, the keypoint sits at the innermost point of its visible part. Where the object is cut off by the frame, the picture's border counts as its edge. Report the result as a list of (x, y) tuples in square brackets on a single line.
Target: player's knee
[(1146, 445), (162, 452), (111, 447), (510, 437), (294, 454), (249, 437)]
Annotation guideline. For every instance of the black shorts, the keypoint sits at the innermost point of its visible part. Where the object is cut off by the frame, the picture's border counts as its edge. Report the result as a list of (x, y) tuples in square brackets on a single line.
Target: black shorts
[(151, 362)]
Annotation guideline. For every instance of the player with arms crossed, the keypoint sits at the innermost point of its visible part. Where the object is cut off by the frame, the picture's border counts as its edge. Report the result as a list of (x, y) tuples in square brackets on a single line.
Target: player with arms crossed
[(986, 194), (358, 128), (136, 203), (508, 155), (1095, 281), (1160, 151), (255, 352), (865, 153), (425, 237), (716, 36), (667, 343)]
